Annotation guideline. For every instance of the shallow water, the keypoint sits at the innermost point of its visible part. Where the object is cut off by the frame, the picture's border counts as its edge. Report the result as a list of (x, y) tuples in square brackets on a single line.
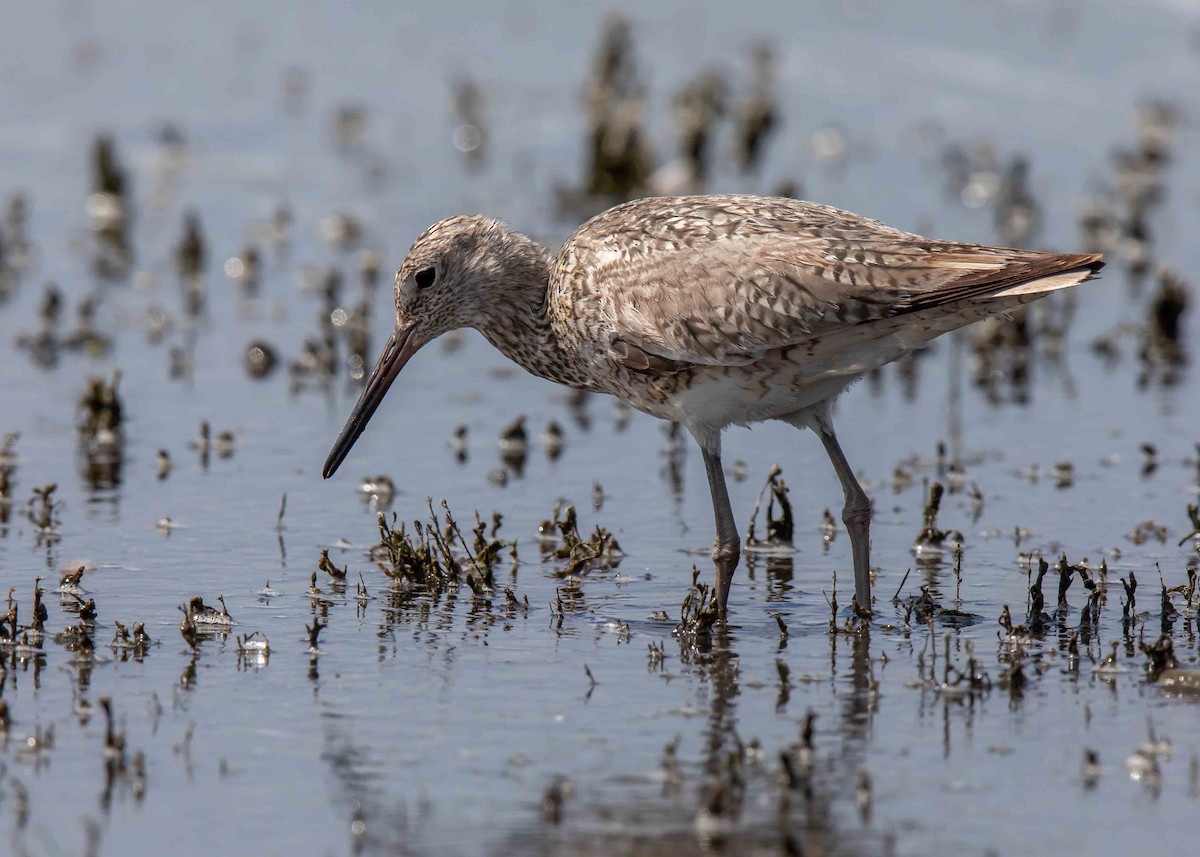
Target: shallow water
[(439, 727)]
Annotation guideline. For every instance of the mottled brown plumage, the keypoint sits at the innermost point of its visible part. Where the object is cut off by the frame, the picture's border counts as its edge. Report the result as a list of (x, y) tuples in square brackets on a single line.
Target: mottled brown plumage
[(709, 310)]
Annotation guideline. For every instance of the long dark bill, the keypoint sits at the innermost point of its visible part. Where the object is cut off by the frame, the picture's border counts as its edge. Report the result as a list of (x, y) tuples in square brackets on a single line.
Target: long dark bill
[(395, 354)]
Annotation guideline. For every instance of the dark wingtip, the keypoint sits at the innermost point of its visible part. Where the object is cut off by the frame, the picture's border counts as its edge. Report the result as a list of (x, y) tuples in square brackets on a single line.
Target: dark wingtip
[(1092, 261), (1063, 262)]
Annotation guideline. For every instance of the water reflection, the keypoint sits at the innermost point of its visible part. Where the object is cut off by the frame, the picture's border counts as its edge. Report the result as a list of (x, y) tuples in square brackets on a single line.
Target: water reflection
[(708, 742)]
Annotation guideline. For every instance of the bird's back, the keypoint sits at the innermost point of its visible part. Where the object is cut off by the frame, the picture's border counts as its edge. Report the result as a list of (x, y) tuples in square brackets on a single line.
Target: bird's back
[(724, 280)]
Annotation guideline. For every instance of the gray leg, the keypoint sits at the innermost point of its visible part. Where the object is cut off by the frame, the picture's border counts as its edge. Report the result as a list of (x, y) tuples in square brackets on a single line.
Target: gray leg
[(856, 514), (727, 547)]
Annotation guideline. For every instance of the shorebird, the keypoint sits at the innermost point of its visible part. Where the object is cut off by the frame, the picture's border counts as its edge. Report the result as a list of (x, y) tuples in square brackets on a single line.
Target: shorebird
[(710, 311)]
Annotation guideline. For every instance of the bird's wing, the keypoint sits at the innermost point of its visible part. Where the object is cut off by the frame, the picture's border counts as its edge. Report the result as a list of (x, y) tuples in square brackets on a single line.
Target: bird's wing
[(724, 287)]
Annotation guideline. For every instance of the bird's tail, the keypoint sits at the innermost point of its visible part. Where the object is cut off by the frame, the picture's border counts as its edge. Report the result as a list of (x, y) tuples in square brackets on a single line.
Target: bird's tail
[(856, 349), (1053, 283)]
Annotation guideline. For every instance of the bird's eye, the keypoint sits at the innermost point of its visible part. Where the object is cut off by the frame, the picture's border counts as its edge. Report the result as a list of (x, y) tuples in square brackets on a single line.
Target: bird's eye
[(425, 277)]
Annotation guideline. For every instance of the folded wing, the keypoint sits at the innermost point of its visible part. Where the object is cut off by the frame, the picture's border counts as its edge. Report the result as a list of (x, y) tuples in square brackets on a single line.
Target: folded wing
[(698, 286)]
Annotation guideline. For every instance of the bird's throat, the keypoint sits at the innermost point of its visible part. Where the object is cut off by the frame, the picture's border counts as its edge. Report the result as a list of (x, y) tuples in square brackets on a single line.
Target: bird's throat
[(525, 333)]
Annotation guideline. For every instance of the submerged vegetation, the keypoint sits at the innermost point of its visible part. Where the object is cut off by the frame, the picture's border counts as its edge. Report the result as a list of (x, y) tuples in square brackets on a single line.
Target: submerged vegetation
[(436, 554), (183, 311)]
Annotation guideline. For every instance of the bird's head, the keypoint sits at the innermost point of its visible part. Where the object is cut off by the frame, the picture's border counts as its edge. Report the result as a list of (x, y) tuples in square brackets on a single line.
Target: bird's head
[(455, 275)]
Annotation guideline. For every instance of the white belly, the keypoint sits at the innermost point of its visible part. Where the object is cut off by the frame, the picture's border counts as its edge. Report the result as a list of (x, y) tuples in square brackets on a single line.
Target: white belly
[(736, 398)]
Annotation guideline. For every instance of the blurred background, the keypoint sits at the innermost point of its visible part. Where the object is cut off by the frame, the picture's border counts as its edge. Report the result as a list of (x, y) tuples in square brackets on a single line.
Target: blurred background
[(212, 198)]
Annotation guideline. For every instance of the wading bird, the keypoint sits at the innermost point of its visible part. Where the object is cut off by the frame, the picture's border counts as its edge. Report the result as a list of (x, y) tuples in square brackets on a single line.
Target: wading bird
[(712, 311)]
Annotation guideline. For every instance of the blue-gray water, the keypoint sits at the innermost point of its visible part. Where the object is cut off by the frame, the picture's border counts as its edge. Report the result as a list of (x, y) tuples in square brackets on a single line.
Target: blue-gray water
[(440, 733)]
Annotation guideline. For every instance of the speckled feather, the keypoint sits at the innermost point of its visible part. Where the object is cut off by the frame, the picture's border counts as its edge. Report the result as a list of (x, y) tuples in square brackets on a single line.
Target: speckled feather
[(722, 280), (714, 310)]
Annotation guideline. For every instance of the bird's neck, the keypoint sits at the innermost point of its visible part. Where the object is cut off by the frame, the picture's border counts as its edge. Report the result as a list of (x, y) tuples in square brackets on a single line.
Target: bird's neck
[(520, 325)]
